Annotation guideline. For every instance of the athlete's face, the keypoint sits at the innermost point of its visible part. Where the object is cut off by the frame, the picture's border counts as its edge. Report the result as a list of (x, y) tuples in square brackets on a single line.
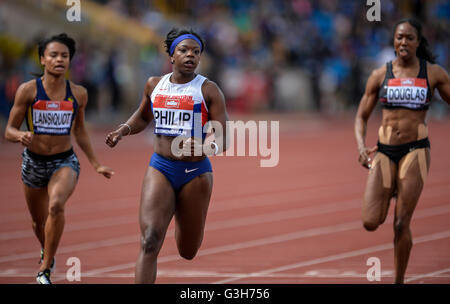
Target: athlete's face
[(406, 40), (56, 58), (186, 56)]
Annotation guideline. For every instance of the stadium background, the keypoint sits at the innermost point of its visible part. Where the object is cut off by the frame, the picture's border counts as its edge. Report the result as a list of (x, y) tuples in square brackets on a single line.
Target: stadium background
[(282, 56)]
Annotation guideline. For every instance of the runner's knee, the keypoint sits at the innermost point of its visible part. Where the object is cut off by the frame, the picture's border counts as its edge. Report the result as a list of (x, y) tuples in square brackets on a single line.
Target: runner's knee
[(401, 225), (370, 225), (56, 208), (151, 241), (188, 253), (37, 225)]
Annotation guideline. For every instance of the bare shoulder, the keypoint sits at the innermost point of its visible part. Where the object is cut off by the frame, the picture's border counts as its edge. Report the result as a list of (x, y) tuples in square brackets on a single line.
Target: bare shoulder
[(376, 78), (27, 90), (78, 91), (212, 93), (209, 88), (151, 83), (379, 73), (437, 76), (436, 70), (210, 84), (153, 80)]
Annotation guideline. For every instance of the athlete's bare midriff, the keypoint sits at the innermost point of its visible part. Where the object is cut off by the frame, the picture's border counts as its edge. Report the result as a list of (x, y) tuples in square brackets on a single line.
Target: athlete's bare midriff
[(402, 126), (163, 144), (50, 144)]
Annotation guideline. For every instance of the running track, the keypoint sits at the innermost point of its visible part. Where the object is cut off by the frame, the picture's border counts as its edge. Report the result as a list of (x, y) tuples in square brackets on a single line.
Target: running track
[(298, 222)]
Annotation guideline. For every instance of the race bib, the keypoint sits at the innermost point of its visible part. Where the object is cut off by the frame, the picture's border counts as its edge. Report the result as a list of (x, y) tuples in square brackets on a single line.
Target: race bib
[(52, 117), (411, 92), (173, 115)]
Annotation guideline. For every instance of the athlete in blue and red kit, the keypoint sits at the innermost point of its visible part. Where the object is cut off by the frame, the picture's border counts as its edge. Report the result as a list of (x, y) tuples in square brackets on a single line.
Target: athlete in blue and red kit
[(175, 184)]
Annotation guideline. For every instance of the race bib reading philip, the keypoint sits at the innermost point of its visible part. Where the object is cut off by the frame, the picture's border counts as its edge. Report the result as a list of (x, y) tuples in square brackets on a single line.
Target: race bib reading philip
[(173, 114)]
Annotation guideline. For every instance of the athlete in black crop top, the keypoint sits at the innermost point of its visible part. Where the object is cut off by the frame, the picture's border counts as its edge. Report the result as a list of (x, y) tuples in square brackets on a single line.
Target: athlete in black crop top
[(410, 93), (52, 107), (404, 87)]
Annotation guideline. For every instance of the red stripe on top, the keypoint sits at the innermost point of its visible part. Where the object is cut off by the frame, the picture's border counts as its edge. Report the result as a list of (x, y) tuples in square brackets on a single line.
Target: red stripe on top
[(184, 102), (50, 105), (407, 82), (205, 116)]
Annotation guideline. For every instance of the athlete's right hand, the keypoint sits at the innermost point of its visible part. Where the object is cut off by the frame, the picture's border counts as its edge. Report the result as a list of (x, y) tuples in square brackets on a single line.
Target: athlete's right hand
[(113, 138), (364, 155), (26, 138)]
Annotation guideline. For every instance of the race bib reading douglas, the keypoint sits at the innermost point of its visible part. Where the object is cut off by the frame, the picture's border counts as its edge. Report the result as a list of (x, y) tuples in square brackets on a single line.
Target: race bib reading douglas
[(407, 91)]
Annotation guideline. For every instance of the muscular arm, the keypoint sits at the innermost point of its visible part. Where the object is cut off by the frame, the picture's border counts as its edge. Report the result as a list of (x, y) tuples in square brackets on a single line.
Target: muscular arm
[(140, 119), (23, 98), (217, 112), (442, 82), (366, 106)]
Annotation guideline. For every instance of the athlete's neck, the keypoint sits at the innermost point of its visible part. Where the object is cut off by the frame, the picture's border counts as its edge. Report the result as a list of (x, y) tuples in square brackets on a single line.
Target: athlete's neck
[(52, 81), (181, 78), (403, 62)]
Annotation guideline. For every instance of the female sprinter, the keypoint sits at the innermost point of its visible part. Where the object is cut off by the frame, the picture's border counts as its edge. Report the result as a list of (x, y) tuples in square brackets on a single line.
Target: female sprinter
[(173, 184), (53, 107), (404, 88)]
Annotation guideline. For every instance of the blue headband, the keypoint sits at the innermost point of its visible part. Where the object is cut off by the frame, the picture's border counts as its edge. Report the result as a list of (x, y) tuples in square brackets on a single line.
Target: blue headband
[(181, 38)]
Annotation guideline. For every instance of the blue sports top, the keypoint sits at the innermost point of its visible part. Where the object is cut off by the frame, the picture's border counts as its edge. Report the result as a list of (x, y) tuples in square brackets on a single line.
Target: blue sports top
[(51, 117)]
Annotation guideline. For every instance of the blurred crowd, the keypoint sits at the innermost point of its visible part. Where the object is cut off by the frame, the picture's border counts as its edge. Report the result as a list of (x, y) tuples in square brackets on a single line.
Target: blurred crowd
[(273, 55)]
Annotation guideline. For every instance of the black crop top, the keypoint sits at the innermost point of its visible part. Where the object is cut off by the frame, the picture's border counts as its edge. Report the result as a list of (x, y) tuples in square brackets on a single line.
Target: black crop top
[(410, 93)]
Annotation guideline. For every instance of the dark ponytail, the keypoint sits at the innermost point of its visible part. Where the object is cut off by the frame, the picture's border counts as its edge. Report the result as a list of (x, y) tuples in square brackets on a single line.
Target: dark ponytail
[(423, 51)]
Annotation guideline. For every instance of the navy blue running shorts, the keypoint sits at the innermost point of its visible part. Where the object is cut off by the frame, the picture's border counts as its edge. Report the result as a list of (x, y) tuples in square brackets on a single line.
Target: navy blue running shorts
[(178, 172)]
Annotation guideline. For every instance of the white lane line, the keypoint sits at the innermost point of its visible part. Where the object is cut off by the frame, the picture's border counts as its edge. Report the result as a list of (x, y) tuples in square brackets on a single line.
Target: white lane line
[(217, 205), (299, 212), (121, 220), (76, 226), (80, 208), (296, 213), (73, 248), (249, 244), (176, 273), (264, 241), (341, 256), (433, 274), (273, 240)]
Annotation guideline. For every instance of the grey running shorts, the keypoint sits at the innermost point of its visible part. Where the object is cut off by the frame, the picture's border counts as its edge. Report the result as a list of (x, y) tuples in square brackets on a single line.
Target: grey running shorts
[(37, 169)]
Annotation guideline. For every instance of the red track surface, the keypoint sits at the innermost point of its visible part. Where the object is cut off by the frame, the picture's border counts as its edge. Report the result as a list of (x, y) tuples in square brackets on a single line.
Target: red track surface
[(298, 222)]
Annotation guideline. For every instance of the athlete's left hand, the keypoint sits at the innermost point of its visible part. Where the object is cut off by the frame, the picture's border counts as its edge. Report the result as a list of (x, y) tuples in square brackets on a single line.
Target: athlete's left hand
[(106, 171)]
